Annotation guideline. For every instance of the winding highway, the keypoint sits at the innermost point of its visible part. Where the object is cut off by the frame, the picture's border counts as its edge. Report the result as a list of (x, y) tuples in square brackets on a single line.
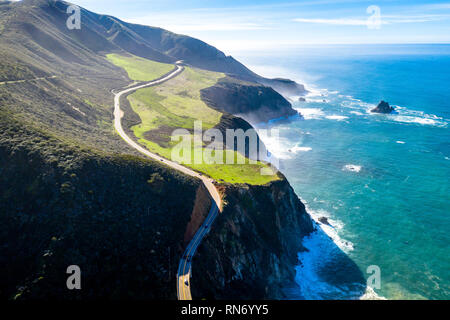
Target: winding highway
[(185, 266)]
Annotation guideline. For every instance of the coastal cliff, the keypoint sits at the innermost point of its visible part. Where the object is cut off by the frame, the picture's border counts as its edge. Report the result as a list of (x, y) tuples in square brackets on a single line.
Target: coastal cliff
[(251, 250), (122, 219), (253, 102), (71, 187), (286, 87)]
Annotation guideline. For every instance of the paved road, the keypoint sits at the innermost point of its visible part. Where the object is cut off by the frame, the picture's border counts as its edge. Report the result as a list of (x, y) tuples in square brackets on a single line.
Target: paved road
[(185, 266)]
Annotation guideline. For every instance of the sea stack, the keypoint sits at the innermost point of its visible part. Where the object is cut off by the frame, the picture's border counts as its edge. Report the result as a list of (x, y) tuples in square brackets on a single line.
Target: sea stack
[(383, 107)]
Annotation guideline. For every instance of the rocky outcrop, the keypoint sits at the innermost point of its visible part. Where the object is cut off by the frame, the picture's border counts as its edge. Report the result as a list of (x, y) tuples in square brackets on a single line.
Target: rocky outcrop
[(286, 87), (230, 122), (383, 107), (253, 102), (324, 220), (252, 248)]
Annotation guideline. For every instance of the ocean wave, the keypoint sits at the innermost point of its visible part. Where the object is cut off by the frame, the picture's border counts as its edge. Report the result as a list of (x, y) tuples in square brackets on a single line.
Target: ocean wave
[(352, 168), (357, 104), (311, 113), (282, 148), (362, 108), (400, 142), (317, 114), (325, 271), (316, 92), (331, 229), (402, 115), (336, 117), (370, 294), (419, 120), (298, 149)]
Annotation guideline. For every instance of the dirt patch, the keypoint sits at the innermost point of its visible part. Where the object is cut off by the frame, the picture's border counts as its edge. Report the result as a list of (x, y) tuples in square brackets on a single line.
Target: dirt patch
[(160, 135), (199, 213)]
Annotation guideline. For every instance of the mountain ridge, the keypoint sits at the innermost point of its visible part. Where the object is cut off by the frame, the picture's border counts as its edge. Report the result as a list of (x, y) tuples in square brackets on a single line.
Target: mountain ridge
[(63, 163), (107, 33)]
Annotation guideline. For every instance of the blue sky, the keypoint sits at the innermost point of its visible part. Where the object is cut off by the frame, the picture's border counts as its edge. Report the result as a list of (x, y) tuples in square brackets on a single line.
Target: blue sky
[(242, 25)]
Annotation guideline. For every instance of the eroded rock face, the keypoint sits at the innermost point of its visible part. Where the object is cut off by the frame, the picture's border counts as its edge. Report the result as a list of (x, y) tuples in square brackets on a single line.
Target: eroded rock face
[(286, 87), (383, 107), (252, 248), (253, 102)]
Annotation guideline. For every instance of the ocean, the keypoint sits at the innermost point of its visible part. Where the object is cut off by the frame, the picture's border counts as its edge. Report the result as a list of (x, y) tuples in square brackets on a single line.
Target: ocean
[(382, 181)]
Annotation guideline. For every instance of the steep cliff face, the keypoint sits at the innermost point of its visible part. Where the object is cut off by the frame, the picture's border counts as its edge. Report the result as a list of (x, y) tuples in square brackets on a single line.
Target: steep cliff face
[(252, 248), (286, 87), (120, 218), (253, 102), (230, 122)]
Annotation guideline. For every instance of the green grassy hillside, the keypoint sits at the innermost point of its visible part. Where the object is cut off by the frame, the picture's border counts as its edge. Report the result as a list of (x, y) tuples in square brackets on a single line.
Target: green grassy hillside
[(177, 104), (140, 69)]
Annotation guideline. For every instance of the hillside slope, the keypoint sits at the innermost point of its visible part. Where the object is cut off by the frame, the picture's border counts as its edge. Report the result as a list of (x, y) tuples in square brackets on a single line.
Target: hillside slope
[(71, 187), (115, 216), (37, 29)]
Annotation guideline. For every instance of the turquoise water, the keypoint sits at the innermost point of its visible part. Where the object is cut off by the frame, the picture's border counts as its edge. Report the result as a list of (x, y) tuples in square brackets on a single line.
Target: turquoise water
[(381, 180)]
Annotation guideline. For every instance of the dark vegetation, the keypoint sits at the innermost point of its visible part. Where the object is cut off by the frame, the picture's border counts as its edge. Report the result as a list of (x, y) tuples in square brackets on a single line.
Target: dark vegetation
[(121, 218)]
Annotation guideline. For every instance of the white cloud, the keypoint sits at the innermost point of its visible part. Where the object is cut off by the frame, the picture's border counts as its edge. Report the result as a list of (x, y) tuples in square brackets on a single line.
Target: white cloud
[(385, 19), (342, 22), (436, 6)]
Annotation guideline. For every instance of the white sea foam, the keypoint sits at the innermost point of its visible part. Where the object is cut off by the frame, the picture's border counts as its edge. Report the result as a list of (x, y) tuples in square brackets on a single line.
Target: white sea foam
[(412, 119), (323, 246), (312, 287), (297, 149), (336, 117), (278, 147), (370, 294), (281, 147), (293, 99), (315, 92), (352, 168), (400, 142), (331, 230), (356, 104), (311, 113), (402, 115)]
